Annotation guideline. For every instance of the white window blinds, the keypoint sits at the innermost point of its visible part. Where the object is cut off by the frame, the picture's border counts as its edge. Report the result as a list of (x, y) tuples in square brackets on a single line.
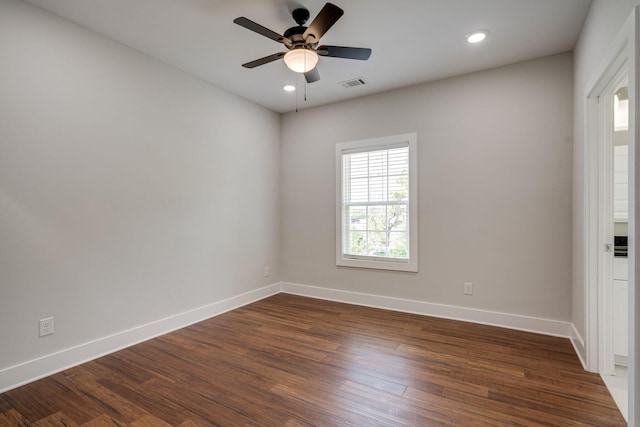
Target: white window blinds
[(375, 203)]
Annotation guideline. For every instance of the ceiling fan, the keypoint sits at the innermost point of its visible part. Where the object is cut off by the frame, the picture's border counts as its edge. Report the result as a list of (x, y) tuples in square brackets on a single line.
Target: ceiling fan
[(302, 42)]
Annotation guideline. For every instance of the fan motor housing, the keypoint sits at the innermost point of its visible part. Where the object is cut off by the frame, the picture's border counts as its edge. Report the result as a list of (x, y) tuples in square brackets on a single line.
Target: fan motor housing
[(296, 35), (295, 31)]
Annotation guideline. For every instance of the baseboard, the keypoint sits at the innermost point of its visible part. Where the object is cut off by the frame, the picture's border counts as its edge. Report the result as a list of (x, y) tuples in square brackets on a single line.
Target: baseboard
[(505, 320), (578, 345), (32, 370), (26, 372), (621, 360)]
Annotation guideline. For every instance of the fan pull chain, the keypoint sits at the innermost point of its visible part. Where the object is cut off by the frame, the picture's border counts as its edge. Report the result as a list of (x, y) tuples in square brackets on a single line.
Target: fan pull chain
[(305, 79), (297, 91)]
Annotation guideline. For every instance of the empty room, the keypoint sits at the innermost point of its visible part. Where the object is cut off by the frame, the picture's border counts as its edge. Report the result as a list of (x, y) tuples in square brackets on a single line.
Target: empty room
[(301, 213)]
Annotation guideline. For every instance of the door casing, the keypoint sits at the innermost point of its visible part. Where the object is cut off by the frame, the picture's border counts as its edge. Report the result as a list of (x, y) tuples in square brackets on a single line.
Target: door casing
[(622, 59)]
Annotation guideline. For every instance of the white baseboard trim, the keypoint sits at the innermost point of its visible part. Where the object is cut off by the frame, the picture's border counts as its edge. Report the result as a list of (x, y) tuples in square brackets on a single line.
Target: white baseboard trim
[(505, 320), (32, 370), (578, 345), (26, 372), (621, 360)]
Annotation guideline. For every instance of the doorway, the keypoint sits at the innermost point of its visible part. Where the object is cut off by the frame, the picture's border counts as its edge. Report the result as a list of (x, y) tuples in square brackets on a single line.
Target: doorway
[(614, 345), (603, 95)]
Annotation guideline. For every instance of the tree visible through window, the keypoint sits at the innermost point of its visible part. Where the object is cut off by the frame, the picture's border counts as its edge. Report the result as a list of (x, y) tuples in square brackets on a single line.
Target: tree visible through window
[(375, 202), (376, 196)]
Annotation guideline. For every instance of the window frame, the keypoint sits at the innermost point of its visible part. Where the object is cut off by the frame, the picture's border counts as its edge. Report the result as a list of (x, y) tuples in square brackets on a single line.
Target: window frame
[(381, 263)]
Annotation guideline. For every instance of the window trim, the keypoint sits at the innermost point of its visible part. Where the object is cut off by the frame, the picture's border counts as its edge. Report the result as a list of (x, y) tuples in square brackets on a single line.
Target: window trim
[(387, 142)]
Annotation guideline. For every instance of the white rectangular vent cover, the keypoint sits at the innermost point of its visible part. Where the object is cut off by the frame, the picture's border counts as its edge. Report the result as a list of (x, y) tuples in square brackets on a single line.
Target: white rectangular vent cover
[(353, 82)]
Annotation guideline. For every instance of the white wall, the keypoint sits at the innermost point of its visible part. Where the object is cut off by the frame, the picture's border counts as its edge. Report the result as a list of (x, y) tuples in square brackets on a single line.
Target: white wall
[(495, 164), (603, 23), (129, 191)]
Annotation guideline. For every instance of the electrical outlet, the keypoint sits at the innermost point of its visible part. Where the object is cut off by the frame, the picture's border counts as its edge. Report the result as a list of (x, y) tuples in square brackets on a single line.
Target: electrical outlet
[(46, 326), (267, 271), (468, 288)]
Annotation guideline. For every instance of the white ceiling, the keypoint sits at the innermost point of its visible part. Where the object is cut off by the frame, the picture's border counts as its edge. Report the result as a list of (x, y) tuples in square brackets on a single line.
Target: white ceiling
[(413, 41)]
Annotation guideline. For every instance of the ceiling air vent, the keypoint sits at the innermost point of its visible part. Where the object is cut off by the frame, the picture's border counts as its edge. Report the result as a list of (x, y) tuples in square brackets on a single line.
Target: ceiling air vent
[(353, 83)]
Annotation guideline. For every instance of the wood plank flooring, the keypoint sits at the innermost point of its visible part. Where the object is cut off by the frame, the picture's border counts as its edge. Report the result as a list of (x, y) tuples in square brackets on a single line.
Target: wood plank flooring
[(293, 361)]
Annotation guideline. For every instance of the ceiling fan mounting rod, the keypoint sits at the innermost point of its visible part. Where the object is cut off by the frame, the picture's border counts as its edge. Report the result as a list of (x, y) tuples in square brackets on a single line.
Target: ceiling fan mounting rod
[(300, 15)]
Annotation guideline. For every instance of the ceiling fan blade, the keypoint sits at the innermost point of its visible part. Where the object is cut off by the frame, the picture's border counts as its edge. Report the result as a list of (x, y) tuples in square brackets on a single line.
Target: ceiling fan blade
[(312, 76), (265, 60), (328, 16), (345, 52), (253, 26)]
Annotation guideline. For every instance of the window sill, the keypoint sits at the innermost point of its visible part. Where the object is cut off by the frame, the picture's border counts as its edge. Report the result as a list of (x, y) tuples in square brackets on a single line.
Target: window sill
[(411, 266)]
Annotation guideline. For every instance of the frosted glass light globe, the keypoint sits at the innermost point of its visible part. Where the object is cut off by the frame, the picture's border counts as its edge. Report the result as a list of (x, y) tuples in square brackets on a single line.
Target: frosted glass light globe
[(301, 60)]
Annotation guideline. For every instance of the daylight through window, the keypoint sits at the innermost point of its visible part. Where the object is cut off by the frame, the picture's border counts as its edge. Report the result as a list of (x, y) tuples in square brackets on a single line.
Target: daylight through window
[(375, 215)]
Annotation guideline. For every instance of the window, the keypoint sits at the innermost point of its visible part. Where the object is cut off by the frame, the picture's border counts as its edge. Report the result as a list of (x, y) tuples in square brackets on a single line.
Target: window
[(376, 203)]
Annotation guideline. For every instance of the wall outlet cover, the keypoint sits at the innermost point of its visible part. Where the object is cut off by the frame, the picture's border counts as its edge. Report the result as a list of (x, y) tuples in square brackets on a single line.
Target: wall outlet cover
[(46, 326), (468, 288)]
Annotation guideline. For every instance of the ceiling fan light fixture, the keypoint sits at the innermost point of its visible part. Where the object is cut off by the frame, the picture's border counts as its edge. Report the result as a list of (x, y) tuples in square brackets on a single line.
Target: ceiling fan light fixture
[(289, 88), (301, 60), (477, 36)]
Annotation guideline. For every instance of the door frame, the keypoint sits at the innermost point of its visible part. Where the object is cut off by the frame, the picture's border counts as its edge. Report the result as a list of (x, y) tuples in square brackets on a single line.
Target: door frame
[(621, 57), (601, 122)]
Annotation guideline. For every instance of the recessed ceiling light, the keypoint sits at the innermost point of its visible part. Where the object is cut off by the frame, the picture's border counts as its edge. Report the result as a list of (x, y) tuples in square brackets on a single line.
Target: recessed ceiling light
[(477, 36), (289, 88)]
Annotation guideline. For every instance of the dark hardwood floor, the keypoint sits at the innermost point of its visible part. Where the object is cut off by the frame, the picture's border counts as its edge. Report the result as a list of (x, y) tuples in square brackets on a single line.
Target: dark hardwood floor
[(293, 361)]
